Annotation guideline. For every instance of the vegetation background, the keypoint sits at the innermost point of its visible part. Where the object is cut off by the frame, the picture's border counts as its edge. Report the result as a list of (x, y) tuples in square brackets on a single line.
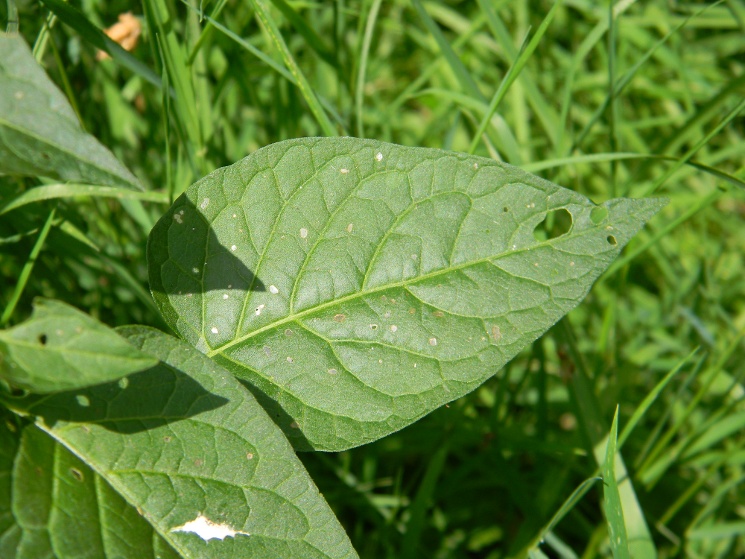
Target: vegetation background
[(612, 99)]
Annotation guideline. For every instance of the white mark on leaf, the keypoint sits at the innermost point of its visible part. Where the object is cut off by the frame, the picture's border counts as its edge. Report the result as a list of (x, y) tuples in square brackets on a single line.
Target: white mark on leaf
[(214, 330), (273, 289), (290, 359), (475, 165), (259, 309), (208, 530), (379, 156), (350, 227), (195, 270), (303, 232), (233, 248), (179, 219), (571, 263), (394, 327), (225, 296), (344, 171), (205, 203), (333, 371), (432, 342)]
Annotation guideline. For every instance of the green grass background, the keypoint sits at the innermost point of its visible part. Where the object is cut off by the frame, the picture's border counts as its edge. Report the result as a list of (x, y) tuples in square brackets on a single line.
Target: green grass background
[(610, 99)]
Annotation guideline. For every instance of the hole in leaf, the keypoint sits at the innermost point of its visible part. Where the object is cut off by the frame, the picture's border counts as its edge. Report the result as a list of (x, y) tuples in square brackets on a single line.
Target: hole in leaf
[(77, 474), (42, 339), (612, 240), (505, 209), (554, 225), (598, 214)]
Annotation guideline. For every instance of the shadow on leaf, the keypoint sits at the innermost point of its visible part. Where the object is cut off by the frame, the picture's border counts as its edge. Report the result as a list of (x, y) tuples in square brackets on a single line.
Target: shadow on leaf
[(193, 260), (142, 401)]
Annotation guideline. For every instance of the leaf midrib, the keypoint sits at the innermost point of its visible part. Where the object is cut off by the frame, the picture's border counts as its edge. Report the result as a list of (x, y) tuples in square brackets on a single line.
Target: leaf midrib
[(363, 293)]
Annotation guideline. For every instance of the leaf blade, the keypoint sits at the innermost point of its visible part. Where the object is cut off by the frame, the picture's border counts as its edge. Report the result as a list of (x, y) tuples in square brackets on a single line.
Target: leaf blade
[(184, 441), (39, 132), (61, 348), (424, 258)]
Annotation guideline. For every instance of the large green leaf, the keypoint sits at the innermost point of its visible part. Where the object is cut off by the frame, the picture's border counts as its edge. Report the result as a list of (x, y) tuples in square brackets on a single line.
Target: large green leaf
[(61, 348), (179, 457), (358, 285), (39, 132)]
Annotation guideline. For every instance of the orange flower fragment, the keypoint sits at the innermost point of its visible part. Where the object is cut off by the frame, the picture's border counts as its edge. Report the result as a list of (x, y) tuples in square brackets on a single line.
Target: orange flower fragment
[(126, 32)]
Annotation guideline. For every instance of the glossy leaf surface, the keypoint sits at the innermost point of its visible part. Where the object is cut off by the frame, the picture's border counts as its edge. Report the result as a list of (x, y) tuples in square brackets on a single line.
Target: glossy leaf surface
[(61, 348), (39, 132), (358, 285)]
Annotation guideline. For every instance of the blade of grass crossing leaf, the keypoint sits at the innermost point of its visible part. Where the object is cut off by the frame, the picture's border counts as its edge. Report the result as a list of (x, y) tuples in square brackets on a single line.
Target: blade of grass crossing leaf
[(266, 20), (421, 504), (642, 408), (359, 93), (27, 269), (525, 52), (612, 498), (206, 30)]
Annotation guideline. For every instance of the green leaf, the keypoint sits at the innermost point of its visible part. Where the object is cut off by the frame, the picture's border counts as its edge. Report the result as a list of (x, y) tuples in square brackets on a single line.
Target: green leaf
[(357, 285), (61, 348), (39, 132), (619, 542), (161, 455)]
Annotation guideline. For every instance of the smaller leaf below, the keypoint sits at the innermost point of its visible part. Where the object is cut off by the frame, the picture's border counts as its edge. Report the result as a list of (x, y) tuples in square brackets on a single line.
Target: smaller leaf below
[(61, 348)]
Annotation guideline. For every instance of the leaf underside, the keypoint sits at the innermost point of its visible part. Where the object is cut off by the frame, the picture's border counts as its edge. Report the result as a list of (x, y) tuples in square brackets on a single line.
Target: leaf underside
[(357, 285)]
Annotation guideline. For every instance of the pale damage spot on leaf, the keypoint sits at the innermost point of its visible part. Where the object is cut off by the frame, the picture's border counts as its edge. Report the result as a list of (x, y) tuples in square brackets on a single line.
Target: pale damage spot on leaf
[(433, 341), (273, 289), (205, 203), (350, 227), (233, 248), (208, 530), (379, 156), (259, 309), (214, 330), (303, 233), (344, 171)]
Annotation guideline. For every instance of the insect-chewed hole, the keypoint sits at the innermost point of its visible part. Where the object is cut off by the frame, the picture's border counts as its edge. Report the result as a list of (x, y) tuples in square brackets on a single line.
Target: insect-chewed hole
[(555, 224), (598, 214), (612, 240), (42, 339)]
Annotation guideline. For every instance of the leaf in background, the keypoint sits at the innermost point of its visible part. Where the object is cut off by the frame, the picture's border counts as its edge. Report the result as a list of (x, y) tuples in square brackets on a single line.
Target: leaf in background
[(160, 455), (39, 132), (398, 278), (61, 348)]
